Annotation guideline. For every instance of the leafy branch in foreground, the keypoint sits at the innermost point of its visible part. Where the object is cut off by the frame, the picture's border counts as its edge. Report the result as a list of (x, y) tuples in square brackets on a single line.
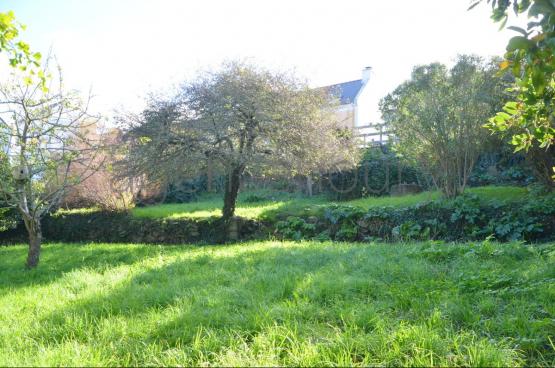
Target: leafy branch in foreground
[(530, 119), (19, 52)]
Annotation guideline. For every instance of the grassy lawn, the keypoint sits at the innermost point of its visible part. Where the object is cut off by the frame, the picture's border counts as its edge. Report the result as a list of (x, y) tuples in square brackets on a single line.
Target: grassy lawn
[(279, 303), (290, 205), (206, 208)]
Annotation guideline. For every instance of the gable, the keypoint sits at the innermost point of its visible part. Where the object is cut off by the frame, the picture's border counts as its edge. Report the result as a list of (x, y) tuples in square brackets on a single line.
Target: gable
[(347, 91)]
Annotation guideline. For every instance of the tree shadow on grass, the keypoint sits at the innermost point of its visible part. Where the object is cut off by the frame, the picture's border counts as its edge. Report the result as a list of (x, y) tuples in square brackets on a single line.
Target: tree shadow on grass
[(204, 291), (241, 292), (221, 296), (58, 259)]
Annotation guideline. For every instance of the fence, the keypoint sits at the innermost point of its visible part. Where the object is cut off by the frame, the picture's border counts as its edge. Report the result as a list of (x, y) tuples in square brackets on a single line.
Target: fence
[(373, 134)]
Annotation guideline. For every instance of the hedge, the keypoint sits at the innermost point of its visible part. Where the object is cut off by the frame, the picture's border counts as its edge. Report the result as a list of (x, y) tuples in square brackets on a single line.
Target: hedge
[(116, 227), (464, 218)]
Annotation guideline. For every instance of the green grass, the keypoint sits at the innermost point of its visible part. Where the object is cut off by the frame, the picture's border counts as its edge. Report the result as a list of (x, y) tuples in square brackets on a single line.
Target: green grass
[(82, 211), (284, 205), (279, 303), (211, 206), (204, 208)]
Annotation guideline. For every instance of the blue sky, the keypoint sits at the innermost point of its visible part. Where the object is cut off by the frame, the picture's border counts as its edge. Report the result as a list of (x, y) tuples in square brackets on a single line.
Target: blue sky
[(125, 48)]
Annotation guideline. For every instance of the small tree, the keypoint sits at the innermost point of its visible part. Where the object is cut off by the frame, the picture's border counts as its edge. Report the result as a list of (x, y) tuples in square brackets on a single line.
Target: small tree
[(236, 117), (40, 132), (101, 188), (438, 117)]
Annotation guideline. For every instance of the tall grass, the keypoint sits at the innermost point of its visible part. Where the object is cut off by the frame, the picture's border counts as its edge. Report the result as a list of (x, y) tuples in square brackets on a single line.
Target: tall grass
[(275, 303)]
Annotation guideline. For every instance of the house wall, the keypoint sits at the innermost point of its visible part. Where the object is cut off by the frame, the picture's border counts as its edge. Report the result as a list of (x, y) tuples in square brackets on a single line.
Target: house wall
[(345, 115)]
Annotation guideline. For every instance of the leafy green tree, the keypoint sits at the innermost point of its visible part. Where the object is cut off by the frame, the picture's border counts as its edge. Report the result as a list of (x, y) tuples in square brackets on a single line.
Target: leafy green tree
[(438, 116), (530, 118)]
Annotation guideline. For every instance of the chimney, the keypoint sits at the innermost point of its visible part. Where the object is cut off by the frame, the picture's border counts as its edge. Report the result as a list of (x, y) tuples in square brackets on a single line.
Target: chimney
[(366, 74)]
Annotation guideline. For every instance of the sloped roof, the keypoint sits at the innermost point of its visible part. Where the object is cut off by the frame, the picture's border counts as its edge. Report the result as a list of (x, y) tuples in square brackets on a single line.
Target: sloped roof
[(347, 91)]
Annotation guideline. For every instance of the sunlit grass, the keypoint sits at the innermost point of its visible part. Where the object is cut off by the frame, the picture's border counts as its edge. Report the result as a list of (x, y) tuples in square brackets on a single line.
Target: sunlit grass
[(284, 205), (279, 303), (203, 209), (63, 211), (500, 193)]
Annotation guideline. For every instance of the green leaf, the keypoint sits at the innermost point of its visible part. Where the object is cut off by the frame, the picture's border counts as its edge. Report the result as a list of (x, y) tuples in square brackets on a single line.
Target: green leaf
[(501, 117), (472, 6), (541, 7), (516, 68), (511, 107), (519, 30), (519, 43), (538, 81), (520, 141), (504, 22)]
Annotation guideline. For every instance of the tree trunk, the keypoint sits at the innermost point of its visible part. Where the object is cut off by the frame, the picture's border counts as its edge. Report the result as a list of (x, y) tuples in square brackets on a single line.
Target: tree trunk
[(309, 185), (231, 191), (35, 241), (209, 176)]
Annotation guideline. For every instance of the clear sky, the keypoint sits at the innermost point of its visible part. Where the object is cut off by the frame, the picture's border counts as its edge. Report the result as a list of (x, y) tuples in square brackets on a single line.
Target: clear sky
[(125, 48)]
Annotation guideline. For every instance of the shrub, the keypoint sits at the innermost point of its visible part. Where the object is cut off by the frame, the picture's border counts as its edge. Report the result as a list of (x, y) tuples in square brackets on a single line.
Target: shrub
[(8, 219), (378, 170), (501, 166), (462, 218), (295, 228)]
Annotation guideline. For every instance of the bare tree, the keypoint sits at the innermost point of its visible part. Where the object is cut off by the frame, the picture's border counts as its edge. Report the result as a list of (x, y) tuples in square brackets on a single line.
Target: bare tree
[(41, 128), (237, 117), (102, 188)]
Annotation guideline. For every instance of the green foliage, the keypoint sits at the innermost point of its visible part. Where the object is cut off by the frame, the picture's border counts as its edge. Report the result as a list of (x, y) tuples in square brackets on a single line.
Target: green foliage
[(279, 304), (438, 116), (19, 52), (8, 219), (463, 218), (279, 205), (410, 230), (295, 228), (113, 227), (343, 221), (252, 205), (8, 216), (185, 190), (264, 196), (474, 216), (530, 119), (379, 169), (237, 119), (500, 165)]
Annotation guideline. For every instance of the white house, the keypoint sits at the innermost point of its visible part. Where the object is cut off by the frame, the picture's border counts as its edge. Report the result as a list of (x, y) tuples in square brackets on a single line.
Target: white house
[(352, 95)]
